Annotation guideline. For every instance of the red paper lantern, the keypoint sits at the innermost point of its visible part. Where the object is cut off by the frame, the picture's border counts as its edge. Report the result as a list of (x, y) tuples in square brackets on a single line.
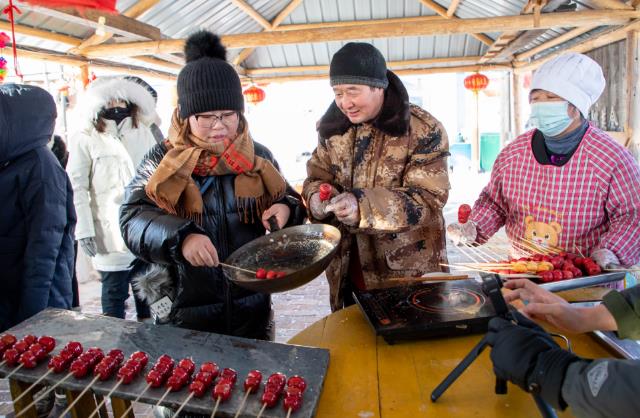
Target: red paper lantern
[(476, 82), (254, 94)]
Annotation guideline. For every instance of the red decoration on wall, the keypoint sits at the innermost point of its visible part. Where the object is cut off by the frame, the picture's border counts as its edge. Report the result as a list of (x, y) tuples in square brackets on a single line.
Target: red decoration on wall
[(9, 12), (3, 69), (106, 5), (4, 38), (254, 94), (476, 82)]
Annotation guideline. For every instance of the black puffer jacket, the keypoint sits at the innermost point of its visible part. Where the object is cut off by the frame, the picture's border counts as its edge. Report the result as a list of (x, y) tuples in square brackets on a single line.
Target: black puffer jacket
[(202, 298)]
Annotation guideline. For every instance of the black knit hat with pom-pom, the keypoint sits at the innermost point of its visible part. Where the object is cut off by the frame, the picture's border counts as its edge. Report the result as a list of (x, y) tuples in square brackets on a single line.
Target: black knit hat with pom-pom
[(207, 82)]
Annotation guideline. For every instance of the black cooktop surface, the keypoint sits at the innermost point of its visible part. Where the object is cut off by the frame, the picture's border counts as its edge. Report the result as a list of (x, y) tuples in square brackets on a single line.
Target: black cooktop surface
[(427, 310)]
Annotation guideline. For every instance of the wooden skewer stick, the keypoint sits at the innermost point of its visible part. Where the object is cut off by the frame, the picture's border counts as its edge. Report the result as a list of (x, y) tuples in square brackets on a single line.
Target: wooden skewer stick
[(533, 247), (521, 248), (237, 268), (264, 405), (494, 249), (463, 267), (550, 250), (466, 254), (478, 253), (135, 400), (215, 408), (163, 396), (13, 371), (244, 400), (186, 401), (289, 412), (482, 249), (575, 247), (43, 395), (513, 276), (104, 399), (77, 399), (33, 385), (3, 362)]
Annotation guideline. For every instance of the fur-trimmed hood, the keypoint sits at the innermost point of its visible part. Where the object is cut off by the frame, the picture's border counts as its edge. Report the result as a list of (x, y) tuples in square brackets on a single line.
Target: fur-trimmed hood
[(394, 119), (104, 89)]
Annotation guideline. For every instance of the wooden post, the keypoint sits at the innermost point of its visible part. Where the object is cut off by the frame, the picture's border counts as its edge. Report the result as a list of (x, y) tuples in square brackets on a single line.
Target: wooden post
[(84, 75), (505, 109), (85, 406), (119, 406), (16, 388), (475, 138), (517, 104), (632, 124)]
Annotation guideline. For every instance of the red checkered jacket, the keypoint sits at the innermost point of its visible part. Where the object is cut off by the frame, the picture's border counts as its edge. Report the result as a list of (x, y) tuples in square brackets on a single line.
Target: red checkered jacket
[(591, 202)]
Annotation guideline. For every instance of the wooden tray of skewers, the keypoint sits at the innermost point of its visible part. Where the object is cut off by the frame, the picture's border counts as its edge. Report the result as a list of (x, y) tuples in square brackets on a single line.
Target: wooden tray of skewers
[(200, 372)]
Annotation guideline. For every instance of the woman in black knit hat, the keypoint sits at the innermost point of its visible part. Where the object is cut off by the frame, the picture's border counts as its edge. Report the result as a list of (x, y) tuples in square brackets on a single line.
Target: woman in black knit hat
[(201, 194)]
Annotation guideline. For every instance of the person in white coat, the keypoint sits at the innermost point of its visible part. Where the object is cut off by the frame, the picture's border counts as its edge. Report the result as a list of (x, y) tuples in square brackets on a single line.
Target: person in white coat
[(114, 116)]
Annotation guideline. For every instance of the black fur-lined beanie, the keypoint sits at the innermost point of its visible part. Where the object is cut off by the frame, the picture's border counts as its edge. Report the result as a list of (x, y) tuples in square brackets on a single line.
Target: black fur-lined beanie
[(207, 82)]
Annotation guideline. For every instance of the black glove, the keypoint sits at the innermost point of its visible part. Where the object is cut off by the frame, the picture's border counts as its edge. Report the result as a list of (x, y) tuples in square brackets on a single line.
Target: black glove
[(527, 356)]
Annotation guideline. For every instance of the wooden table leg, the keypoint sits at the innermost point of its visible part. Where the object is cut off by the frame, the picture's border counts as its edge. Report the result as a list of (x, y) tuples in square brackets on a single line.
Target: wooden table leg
[(85, 406), (17, 388), (119, 406)]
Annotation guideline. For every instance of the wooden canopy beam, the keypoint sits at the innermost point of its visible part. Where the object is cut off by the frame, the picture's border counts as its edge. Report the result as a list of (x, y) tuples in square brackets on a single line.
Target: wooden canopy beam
[(412, 71), (574, 33), (632, 123), (159, 62), (442, 26), (116, 24), (445, 13), (133, 12), (40, 34), (517, 40), (244, 54), (76, 61), (453, 7), (140, 8), (390, 64), (585, 46), (242, 5), (358, 23)]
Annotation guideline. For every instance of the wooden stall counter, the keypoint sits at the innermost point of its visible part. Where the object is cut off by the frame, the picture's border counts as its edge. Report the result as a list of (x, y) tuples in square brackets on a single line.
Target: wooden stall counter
[(368, 378)]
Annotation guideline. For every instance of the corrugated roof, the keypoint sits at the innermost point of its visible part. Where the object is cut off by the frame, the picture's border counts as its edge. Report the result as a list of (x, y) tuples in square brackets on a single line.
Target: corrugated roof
[(179, 18)]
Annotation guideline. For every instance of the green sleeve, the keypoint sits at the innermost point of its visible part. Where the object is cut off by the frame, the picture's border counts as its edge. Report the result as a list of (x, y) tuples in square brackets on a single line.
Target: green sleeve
[(625, 308)]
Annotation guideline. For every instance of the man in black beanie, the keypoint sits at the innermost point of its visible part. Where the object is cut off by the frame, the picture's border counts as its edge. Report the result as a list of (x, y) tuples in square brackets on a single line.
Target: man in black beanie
[(385, 160)]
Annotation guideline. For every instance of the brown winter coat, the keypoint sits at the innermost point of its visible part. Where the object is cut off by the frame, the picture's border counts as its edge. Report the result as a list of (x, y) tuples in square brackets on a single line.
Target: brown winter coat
[(396, 167)]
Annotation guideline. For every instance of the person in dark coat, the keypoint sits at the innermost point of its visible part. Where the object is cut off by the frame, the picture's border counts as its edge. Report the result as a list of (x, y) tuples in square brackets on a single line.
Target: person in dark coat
[(59, 149), (38, 217), (201, 194)]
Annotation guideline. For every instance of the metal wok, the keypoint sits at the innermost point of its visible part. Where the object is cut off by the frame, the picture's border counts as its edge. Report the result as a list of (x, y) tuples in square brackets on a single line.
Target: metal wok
[(303, 252)]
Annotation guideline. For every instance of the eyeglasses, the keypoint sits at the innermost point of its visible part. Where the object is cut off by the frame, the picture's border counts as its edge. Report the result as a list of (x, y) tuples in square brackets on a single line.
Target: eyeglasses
[(209, 121)]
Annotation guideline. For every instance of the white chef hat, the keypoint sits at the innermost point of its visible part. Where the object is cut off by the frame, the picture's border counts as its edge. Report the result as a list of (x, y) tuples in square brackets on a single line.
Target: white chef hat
[(575, 77)]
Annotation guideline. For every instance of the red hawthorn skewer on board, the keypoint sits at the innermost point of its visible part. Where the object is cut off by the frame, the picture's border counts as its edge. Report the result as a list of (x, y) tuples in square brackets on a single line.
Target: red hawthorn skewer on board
[(223, 388), (201, 382), (58, 364)]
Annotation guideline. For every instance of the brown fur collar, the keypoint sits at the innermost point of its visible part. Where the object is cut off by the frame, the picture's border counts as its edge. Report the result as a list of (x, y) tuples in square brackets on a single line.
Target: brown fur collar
[(393, 119)]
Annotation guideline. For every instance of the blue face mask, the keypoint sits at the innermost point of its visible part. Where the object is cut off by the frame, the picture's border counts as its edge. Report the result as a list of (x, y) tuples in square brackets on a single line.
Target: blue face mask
[(551, 118)]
